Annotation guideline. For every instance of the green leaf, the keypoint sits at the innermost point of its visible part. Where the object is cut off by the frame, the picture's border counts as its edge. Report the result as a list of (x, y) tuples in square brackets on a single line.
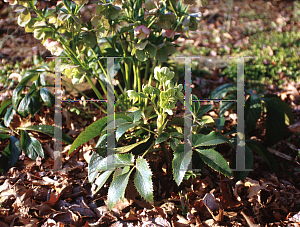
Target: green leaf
[(38, 33), (101, 142), (100, 181), (263, 152), (213, 138), (141, 45), (222, 90), (177, 135), (48, 130), (174, 143), (162, 54), (4, 136), (275, 122), (142, 180), (90, 132), (220, 123), (118, 161), (224, 105), (180, 163), (33, 148), (93, 164), (29, 27), (90, 40), (179, 121), (241, 175), (123, 128), (16, 97), (140, 55), (151, 50), (10, 154), (252, 112), (63, 16), (162, 137), (125, 149), (24, 18), (30, 104), (47, 96), (24, 136), (5, 103), (117, 189), (3, 129), (135, 115), (200, 110), (215, 160), (8, 116), (289, 116)]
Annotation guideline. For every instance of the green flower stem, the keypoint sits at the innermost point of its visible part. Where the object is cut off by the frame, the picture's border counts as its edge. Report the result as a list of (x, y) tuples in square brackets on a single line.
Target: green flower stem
[(95, 104), (94, 87), (145, 76), (127, 79), (152, 21), (152, 72), (138, 75), (148, 130), (101, 82), (147, 70), (134, 78)]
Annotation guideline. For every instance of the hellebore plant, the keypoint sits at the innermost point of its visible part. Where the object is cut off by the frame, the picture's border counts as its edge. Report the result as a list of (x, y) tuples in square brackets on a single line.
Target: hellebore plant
[(136, 128), (138, 33)]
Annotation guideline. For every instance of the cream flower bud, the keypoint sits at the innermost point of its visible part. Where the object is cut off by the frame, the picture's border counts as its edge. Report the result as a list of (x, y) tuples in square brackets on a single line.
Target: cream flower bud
[(54, 47)]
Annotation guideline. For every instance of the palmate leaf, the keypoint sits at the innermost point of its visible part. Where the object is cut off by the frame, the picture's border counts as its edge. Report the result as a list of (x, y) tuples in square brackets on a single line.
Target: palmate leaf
[(117, 189), (215, 160), (213, 138), (180, 163), (142, 179)]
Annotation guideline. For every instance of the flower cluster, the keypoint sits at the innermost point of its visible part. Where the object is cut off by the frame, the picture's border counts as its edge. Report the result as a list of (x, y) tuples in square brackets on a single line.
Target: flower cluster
[(142, 32)]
